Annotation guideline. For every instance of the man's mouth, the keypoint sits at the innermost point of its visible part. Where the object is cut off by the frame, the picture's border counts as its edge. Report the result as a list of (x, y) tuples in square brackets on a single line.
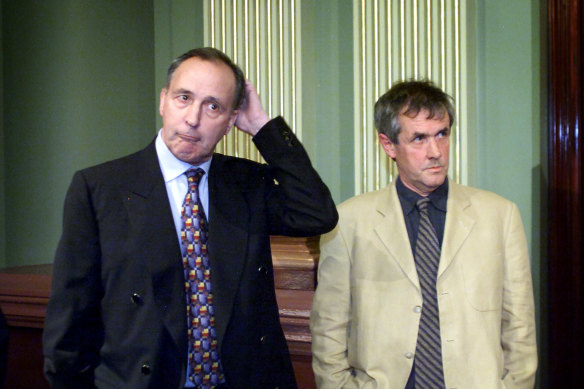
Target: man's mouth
[(188, 138), (434, 168)]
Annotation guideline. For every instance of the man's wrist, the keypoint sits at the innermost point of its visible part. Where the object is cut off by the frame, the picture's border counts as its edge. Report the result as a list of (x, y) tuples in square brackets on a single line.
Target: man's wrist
[(259, 124)]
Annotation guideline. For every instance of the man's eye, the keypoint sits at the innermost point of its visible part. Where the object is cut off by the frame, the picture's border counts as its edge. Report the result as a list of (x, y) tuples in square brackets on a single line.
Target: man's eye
[(183, 97), (214, 109)]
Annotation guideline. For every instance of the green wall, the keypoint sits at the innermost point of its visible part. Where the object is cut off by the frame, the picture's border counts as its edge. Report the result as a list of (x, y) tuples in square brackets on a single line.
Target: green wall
[(327, 92), (2, 162), (77, 90), (80, 84), (511, 129), (178, 27)]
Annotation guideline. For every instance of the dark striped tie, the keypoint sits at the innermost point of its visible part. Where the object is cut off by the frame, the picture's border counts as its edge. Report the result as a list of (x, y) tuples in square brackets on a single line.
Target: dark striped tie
[(428, 359)]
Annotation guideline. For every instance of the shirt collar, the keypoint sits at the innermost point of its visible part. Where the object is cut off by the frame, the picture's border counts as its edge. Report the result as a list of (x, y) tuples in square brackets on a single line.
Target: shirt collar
[(409, 198), (171, 166)]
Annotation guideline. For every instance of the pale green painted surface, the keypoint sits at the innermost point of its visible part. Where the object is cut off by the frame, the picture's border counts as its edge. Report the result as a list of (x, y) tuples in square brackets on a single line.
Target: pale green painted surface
[(512, 122), (178, 27), (327, 93), (2, 162), (77, 90)]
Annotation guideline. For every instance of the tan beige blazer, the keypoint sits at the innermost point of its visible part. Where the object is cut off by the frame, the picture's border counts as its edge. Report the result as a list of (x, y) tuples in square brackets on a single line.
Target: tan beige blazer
[(366, 307)]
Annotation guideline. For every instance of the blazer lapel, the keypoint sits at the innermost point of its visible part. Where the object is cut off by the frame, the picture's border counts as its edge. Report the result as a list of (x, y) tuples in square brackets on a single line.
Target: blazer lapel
[(457, 227), (228, 239), (153, 231), (393, 233)]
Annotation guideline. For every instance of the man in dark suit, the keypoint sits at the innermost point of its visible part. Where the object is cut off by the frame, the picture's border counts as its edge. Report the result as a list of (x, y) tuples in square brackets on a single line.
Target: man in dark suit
[(118, 312)]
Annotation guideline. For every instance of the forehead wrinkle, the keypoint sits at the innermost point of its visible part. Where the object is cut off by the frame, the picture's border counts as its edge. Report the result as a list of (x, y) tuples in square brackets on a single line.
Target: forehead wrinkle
[(189, 72), (416, 129)]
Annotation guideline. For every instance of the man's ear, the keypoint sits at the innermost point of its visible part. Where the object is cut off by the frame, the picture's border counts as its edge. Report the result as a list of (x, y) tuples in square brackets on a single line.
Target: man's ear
[(387, 145), (162, 100), (231, 122)]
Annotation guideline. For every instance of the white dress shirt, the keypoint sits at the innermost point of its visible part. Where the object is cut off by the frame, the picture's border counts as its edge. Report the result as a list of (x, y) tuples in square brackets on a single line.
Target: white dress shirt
[(173, 170)]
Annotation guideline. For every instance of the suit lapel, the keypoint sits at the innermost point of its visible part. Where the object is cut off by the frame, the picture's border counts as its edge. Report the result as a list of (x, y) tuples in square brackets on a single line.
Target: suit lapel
[(152, 228), (393, 233), (457, 227), (228, 239)]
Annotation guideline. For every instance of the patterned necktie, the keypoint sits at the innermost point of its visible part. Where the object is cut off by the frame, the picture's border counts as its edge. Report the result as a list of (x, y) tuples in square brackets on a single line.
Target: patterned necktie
[(428, 359), (203, 356)]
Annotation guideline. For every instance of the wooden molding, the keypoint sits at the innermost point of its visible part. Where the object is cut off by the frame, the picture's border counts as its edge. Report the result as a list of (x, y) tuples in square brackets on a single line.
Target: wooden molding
[(24, 294), (295, 261), (566, 189)]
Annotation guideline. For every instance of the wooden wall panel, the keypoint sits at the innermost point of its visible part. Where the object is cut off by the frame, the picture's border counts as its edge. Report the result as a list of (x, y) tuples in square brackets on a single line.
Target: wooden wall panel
[(24, 294), (566, 194)]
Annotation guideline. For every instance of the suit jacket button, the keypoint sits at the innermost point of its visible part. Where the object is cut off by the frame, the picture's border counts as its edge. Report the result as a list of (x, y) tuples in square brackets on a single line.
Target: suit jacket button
[(136, 299), (146, 369), (263, 270)]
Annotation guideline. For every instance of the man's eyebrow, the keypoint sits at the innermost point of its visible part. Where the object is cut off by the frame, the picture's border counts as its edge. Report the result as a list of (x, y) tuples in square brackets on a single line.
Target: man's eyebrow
[(424, 134), (182, 91), (418, 135), (213, 99)]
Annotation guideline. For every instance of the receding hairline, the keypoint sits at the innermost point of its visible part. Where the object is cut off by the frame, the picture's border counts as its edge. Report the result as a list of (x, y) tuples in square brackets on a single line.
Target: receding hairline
[(213, 55), (214, 61)]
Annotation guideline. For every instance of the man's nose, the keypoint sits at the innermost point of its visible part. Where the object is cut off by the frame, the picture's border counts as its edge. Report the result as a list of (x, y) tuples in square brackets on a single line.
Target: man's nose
[(193, 115), (433, 149)]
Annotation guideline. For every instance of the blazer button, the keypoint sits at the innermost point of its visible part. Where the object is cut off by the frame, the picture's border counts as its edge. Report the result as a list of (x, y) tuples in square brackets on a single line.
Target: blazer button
[(146, 369), (136, 299), (263, 270)]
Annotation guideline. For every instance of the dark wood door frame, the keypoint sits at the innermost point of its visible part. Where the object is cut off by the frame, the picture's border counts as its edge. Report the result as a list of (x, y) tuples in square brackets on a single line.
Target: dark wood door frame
[(566, 195)]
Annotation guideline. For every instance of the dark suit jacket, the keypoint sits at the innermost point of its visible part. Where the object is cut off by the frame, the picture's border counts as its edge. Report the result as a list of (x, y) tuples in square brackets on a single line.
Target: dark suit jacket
[(116, 317)]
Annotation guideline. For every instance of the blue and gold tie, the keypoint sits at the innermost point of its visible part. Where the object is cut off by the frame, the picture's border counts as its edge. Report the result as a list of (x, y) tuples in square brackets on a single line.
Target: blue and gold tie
[(428, 358), (203, 354)]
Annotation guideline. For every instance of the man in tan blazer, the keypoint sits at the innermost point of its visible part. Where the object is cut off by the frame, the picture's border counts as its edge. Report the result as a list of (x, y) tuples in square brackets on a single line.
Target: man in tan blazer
[(369, 305)]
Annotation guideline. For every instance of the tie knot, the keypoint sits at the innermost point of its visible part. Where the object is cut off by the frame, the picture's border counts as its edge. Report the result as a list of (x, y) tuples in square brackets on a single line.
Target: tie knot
[(422, 204), (194, 175)]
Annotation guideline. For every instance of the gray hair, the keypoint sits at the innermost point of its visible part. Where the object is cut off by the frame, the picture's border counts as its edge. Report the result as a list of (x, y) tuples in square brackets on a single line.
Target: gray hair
[(409, 98)]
